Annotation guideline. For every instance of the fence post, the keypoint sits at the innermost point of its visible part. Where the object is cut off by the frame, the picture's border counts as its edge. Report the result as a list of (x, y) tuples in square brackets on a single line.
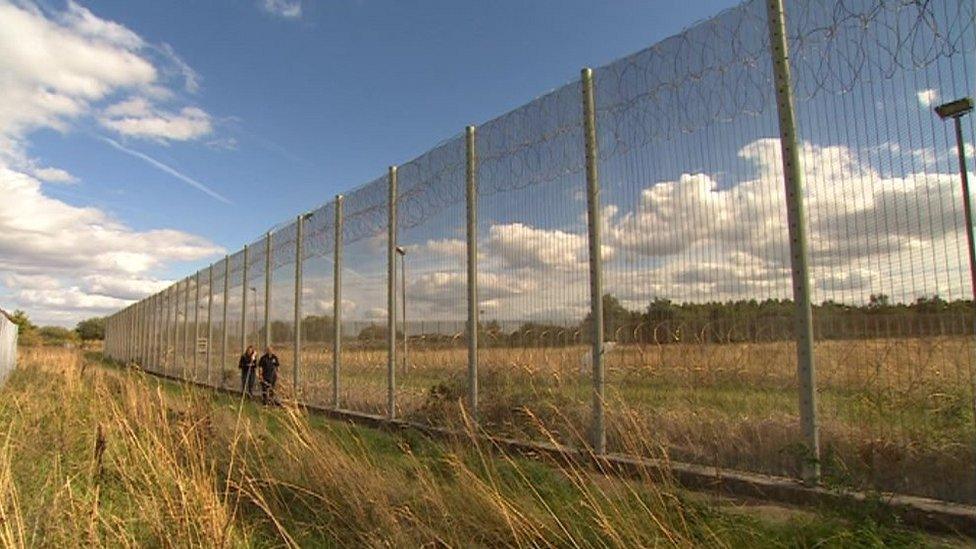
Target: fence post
[(471, 193), (244, 303), (209, 321), (598, 431), (297, 325), (267, 290), (196, 328), (391, 295), (224, 327), (337, 301), (793, 181)]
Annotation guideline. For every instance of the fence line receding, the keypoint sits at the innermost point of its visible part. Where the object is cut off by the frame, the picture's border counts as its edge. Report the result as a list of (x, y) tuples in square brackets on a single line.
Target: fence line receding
[(655, 190)]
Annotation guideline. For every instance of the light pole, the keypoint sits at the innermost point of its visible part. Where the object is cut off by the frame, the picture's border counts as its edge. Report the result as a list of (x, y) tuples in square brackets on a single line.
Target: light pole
[(402, 252), (956, 110)]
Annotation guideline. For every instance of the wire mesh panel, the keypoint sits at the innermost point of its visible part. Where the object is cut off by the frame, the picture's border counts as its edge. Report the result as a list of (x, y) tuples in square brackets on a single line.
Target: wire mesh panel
[(887, 239), (701, 362), (8, 346), (532, 269), (230, 376), (283, 305), (254, 327), (217, 358), (700, 343), (200, 340), (363, 383), (430, 284), (318, 247)]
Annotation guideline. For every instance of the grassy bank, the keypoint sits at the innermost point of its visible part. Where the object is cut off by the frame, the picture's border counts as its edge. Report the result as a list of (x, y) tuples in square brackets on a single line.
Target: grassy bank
[(98, 455)]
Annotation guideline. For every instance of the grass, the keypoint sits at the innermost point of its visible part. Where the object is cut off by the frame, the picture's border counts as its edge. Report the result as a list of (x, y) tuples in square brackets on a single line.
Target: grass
[(896, 414), (103, 456)]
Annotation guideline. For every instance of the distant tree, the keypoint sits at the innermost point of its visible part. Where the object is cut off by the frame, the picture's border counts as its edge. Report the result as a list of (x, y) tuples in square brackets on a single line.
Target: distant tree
[(22, 321), (91, 329), (317, 328), (27, 334), (56, 335)]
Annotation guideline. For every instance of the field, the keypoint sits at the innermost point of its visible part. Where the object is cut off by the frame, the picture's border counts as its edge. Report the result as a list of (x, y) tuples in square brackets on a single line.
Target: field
[(103, 456), (896, 414)]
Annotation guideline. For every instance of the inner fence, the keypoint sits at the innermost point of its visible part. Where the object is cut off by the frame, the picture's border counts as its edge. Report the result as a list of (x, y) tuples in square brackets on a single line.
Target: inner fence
[(671, 163), (8, 346)]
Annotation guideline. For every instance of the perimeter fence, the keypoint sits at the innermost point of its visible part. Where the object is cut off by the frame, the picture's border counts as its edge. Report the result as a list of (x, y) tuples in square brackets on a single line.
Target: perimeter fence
[(8, 346), (781, 285)]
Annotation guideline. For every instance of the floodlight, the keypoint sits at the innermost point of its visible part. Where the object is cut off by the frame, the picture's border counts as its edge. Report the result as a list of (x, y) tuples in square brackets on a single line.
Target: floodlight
[(955, 109)]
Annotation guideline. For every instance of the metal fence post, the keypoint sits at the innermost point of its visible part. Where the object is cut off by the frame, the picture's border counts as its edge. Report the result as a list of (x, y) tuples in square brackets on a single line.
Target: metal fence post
[(471, 194), (196, 328), (796, 217), (224, 327), (391, 295), (267, 290), (337, 301), (297, 324), (244, 303), (598, 431), (209, 321)]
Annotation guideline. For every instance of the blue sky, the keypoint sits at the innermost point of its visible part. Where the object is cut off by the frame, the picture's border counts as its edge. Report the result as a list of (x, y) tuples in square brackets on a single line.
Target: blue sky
[(323, 102), (140, 141), (274, 105)]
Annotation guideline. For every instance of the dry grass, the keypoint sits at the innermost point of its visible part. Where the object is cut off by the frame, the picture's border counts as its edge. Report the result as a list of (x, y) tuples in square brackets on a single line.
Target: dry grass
[(895, 414), (106, 457)]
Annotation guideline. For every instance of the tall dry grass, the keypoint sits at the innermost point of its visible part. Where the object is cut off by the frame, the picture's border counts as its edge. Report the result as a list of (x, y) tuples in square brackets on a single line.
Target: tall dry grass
[(112, 457), (896, 414), (102, 456)]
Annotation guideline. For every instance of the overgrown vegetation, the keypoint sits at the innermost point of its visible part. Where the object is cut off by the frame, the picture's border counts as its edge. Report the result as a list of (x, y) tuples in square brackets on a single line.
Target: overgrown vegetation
[(100, 456), (29, 334)]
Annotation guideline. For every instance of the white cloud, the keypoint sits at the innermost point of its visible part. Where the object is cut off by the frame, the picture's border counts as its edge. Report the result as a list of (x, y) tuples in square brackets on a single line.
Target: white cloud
[(524, 246), (51, 71), (928, 97), (288, 9), (53, 175), (137, 117), (694, 239), (63, 262)]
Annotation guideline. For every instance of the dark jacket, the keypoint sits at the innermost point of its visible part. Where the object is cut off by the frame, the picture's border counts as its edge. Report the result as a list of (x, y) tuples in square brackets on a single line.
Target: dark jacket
[(246, 362), (269, 366)]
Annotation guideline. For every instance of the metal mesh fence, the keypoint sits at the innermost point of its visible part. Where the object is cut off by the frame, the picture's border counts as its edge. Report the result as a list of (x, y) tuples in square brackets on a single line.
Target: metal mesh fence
[(8, 346), (686, 337)]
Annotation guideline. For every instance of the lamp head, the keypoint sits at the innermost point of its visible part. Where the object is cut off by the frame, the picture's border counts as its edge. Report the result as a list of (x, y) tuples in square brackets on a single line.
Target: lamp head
[(955, 109), (401, 250)]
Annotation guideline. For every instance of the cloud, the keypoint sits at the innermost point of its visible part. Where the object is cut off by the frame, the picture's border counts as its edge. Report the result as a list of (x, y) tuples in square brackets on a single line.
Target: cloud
[(137, 117), (928, 97), (64, 262), (694, 239), (53, 175), (524, 246), (288, 9), (51, 71)]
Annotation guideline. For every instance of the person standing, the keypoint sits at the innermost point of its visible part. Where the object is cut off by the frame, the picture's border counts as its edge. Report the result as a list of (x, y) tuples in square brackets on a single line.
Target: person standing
[(247, 365), (269, 375)]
